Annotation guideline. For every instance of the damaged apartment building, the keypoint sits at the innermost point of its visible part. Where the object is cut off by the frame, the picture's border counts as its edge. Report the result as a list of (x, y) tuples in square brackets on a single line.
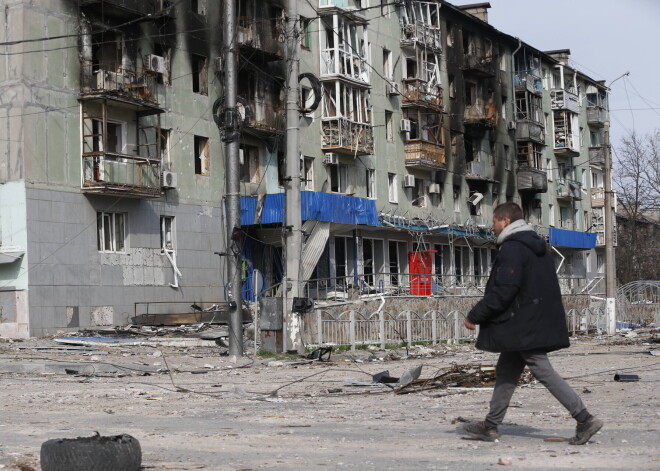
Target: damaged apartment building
[(417, 118)]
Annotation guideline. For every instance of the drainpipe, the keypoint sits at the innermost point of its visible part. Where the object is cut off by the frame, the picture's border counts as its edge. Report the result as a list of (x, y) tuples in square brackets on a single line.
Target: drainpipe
[(86, 53)]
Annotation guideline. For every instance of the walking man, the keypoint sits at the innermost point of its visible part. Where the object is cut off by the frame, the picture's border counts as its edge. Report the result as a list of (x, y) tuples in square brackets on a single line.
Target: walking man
[(521, 316)]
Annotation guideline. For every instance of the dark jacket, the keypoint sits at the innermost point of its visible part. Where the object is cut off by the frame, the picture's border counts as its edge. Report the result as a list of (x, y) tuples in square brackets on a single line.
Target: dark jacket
[(522, 307)]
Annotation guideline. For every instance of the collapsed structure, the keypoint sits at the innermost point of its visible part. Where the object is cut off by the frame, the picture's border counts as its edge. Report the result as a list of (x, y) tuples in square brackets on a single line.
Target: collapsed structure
[(112, 171)]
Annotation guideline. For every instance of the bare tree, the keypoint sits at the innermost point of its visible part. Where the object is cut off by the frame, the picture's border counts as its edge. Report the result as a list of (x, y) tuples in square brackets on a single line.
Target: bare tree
[(636, 178)]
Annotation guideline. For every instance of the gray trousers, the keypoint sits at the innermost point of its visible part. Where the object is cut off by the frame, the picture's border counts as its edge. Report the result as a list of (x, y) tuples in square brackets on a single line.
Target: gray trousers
[(509, 368)]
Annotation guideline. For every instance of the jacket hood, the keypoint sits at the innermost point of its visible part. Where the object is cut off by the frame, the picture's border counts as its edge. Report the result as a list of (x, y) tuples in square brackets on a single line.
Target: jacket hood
[(531, 239)]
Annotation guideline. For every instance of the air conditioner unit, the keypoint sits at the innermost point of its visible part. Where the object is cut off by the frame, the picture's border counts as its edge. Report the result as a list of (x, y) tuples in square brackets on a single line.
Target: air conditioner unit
[(409, 181), (168, 179), (511, 125), (107, 80), (331, 158), (393, 89), (434, 188), (405, 125), (475, 198), (156, 63)]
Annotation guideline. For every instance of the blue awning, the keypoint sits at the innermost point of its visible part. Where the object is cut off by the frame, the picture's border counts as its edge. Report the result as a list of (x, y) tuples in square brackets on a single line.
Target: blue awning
[(316, 206), (574, 239)]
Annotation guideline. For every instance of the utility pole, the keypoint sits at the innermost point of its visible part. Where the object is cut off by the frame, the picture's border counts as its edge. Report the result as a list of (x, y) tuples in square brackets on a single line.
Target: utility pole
[(610, 262), (293, 222), (232, 178)]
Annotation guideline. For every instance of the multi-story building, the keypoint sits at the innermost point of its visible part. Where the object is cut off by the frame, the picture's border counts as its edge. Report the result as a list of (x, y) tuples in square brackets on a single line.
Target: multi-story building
[(416, 119)]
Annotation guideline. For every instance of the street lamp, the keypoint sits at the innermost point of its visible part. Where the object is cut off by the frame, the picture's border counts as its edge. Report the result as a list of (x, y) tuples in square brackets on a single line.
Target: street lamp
[(610, 263)]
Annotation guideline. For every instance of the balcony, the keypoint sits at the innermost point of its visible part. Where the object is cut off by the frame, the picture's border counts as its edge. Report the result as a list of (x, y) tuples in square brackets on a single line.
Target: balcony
[(597, 155), (265, 35), (344, 64), (123, 175), (264, 118), (528, 130), (565, 100), (569, 189), (343, 135), (425, 35), (532, 180), (124, 9), (351, 9), (531, 83), (476, 170), (424, 155), (480, 114), (596, 116), (479, 65), (122, 85), (597, 197), (417, 92)]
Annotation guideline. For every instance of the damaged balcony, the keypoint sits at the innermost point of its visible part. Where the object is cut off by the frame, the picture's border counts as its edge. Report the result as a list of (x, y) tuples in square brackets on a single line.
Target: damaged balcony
[(479, 65), (597, 197), (597, 155), (569, 189), (262, 34), (418, 92), (596, 116), (527, 130), (121, 149), (351, 9), (566, 139), (120, 84), (528, 82), (124, 9), (532, 180), (422, 34), (424, 155), (259, 105), (347, 136), (480, 114), (565, 100)]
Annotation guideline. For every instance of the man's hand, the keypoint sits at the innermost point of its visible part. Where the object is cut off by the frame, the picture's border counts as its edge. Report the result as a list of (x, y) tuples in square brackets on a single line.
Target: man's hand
[(468, 324)]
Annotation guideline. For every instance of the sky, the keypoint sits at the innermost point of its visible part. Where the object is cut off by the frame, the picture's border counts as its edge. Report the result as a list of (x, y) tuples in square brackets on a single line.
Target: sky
[(607, 38)]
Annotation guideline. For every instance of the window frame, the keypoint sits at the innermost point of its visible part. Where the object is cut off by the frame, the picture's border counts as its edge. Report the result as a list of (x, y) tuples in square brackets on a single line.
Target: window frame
[(202, 155), (107, 234)]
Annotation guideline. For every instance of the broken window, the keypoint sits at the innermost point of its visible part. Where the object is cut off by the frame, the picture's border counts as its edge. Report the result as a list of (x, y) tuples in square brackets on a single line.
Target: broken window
[(344, 48), (166, 233), (452, 87), (107, 53), (389, 126), (530, 155), (200, 74), (249, 159), (201, 155), (470, 93), (371, 183), (387, 64), (111, 231), (165, 148), (393, 194), (114, 139), (308, 172), (339, 178), (198, 6), (551, 215), (306, 37), (418, 194)]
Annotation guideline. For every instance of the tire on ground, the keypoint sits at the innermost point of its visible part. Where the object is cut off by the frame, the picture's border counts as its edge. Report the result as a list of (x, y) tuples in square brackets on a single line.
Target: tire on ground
[(115, 453)]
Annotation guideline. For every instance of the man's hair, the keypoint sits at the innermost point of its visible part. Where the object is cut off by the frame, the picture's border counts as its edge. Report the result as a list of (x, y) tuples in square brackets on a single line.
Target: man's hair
[(508, 210)]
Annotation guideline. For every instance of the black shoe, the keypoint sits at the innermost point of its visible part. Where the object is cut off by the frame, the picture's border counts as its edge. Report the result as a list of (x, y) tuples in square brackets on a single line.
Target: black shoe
[(479, 431), (584, 431)]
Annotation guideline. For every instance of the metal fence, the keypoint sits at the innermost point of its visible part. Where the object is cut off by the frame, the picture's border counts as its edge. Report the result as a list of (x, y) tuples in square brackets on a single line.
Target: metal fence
[(354, 328)]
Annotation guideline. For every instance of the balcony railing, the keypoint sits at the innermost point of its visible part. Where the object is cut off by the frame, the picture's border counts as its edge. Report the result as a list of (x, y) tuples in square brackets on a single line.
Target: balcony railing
[(479, 64), (596, 116), (424, 155), (109, 173), (480, 114), (421, 33), (529, 82), (597, 197), (419, 92), (265, 117), (527, 130), (262, 34), (122, 84), (532, 180), (342, 134), (345, 63), (565, 100), (597, 155), (569, 189)]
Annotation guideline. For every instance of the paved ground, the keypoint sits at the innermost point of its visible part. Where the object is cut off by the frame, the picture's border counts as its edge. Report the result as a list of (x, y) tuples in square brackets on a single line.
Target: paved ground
[(212, 414)]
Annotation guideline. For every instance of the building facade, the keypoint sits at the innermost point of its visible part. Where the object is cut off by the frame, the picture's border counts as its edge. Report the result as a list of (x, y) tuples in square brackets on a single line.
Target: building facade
[(416, 119)]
